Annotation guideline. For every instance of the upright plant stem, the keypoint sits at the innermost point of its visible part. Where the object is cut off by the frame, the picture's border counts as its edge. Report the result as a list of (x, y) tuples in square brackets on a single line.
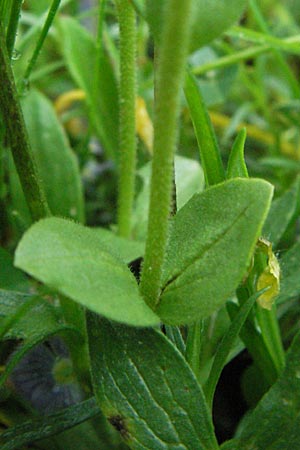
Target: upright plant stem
[(127, 98), (170, 70), (50, 17), (13, 25), (11, 112)]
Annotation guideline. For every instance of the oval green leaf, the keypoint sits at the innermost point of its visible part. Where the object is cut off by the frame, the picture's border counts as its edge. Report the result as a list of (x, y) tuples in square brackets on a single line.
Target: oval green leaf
[(57, 164), (211, 242), (95, 78), (146, 389), (210, 19), (75, 261)]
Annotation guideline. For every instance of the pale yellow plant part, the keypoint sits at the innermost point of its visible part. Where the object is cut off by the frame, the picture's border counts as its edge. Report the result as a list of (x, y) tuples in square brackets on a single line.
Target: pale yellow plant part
[(144, 125), (65, 100), (269, 278)]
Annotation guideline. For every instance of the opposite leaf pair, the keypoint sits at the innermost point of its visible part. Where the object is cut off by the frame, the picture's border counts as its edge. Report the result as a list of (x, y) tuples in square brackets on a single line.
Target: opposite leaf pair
[(211, 242)]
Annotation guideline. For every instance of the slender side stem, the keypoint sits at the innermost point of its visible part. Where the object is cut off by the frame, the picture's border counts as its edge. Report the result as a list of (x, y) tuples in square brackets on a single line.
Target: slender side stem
[(50, 17), (170, 70), (16, 133), (127, 99), (13, 25), (229, 60)]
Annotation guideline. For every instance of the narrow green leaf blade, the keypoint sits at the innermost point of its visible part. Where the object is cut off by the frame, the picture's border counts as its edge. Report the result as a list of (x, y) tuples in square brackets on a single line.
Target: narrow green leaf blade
[(274, 423), (73, 259), (146, 389), (236, 164), (209, 150), (211, 242), (44, 427), (225, 347)]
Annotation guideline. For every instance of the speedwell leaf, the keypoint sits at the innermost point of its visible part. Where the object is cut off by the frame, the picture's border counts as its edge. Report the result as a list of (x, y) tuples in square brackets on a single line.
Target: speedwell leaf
[(211, 242), (74, 260), (210, 19), (146, 389)]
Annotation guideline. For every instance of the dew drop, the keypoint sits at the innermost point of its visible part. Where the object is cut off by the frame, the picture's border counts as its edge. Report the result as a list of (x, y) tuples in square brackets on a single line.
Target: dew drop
[(15, 54)]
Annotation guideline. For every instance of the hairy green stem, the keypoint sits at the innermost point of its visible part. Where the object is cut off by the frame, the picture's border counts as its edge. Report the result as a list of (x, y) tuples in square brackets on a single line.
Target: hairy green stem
[(18, 140), (127, 98), (50, 17), (169, 77), (13, 25)]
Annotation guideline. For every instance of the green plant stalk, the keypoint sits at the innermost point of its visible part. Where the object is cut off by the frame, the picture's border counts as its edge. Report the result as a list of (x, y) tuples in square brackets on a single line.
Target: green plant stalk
[(17, 136), (50, 17), (289, 45), (288, 74), (169, 77), (193, 347), (13, 25), (229, 60), (127, 99), (269, 326)]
